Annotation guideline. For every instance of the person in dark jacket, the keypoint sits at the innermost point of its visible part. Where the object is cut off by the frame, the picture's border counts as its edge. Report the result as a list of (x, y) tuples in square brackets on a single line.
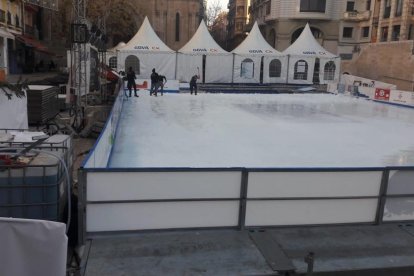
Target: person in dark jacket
[(130, 76), (154, 80), (160, 84), (193, 84)]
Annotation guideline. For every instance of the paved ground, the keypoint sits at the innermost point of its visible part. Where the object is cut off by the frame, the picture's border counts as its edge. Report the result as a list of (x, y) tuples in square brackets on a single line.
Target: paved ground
[(338, 250)]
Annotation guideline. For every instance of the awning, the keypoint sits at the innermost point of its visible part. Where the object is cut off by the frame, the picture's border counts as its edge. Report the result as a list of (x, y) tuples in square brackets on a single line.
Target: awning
[(6, 34), (37, 45)]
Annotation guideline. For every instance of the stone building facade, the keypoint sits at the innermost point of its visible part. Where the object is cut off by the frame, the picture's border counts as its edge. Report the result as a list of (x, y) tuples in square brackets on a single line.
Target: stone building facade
[(175, 21), (238, 21)]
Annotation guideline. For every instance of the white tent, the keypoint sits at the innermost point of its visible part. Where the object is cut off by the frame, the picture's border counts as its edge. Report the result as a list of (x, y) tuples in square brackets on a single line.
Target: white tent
[(249, 55), (111, 55), (146, 51), (303, 54), (218, 62)]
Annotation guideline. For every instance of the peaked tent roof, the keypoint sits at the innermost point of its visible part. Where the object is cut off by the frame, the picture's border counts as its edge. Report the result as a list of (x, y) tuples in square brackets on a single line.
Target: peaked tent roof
[(202, 43), (146, 40), (255, 44), (117, 47), (306, 45)]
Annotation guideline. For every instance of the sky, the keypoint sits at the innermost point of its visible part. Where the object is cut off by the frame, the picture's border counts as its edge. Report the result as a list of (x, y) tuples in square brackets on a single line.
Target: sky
[(260, 130)]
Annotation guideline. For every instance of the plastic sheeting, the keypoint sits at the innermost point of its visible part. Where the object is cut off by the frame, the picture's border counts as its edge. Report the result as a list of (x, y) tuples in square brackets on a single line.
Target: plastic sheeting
[(308, 77), (322, 78), (187, 66), (164, 63), (13, 112), (283, 69), (218, 69), (32, 247), (244, 71)]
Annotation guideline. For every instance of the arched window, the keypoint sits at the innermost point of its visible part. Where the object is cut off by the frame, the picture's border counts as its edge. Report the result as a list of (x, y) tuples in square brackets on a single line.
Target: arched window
[(301, 70), (317, 34), (113, 62), (177, 27), (247, 69), (132, 61), (329, 71), (275, 68)]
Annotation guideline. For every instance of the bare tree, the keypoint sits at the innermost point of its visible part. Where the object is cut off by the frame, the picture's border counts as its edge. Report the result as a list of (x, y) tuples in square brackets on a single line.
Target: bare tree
[(218, 29), (212, 12)]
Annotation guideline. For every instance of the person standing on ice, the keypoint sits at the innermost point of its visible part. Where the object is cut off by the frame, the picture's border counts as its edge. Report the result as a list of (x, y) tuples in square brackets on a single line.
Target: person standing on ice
[(160, 84), (154, 80), (131, 81), (193, 84)]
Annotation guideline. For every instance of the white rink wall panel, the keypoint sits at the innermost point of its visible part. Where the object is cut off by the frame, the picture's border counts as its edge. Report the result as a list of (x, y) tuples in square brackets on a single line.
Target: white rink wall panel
[(314, 184), (308, 212), (401, 182), (399, 209), (115, 186), (165, 215)]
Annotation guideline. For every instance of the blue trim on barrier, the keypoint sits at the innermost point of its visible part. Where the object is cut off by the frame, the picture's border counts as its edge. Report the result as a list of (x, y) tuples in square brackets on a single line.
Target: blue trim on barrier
[(115, 134), (390, 103), (164, 91), (229, 169), (101, 134)]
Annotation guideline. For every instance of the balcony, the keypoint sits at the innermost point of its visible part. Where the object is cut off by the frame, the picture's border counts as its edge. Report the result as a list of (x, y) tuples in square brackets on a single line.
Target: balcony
[(357, 16)]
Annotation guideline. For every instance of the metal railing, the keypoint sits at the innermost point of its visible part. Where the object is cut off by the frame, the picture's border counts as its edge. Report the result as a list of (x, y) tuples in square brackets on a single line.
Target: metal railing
[(192, 198)]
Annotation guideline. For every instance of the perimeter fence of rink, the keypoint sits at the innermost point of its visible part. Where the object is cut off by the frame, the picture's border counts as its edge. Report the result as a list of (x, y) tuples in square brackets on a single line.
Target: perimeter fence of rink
[(135, 199)]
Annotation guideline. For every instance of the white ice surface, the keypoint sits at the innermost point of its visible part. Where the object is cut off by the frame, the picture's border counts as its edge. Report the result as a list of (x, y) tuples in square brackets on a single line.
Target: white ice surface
[(262, 130)]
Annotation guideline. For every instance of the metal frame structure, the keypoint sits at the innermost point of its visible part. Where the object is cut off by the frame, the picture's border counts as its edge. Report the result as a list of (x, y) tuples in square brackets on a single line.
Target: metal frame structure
[(382, 196)]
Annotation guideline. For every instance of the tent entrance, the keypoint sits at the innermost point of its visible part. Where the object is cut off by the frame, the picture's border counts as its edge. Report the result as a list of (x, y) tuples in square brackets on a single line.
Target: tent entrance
[(261, 70), (204, 68), (316, 71)]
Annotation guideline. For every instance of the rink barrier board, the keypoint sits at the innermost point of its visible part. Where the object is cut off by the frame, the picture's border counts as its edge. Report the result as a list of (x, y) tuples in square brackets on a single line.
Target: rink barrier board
[(100, 153), (141, 199)]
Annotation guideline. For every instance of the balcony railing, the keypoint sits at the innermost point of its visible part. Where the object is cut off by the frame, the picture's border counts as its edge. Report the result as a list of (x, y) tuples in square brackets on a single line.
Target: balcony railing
[(357, 16)]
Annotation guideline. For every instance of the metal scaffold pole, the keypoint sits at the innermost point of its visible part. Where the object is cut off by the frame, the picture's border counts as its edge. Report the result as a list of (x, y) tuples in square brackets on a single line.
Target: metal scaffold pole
[(79, 58)]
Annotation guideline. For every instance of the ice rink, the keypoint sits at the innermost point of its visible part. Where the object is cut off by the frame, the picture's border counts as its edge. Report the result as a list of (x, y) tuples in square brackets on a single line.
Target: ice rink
[(262, 130)]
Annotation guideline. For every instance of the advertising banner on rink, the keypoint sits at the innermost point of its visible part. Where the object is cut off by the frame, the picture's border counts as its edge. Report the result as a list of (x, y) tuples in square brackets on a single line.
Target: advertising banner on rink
[(402, 97), (171, 86), (382, 94)]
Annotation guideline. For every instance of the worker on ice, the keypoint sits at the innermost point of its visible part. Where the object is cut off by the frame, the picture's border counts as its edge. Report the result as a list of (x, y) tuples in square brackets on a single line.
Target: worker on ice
[(162, 80), (131, 81), (193, 84), (154, 80)]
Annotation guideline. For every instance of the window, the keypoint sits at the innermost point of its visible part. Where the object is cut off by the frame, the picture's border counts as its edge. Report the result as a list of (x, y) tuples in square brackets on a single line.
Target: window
[(410, 32), (312, 5), (329, 71), (350, 6), (113, 63), (268, 7), (177, 27), (347, 32), (395, 33), (368, 7), (398, 10), (240, 11), (17, 21), (275, 68), (2, 16), (247, 69), (9, 18), (132, 61), (387, 8), (384, 33), (239, 26), (301, 70), (365, 32)]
